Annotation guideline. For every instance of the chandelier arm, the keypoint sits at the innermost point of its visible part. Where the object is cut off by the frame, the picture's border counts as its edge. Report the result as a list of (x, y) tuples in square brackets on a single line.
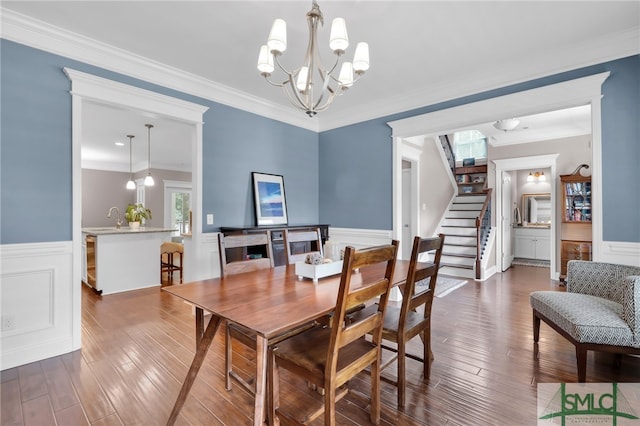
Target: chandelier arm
[(277, 61), (295, 101), (335, 64), (273, 83), (325, 89)]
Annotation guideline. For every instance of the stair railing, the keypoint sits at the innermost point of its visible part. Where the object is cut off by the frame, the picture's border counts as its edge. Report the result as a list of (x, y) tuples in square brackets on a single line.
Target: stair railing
[(483, 227), (448, 152)]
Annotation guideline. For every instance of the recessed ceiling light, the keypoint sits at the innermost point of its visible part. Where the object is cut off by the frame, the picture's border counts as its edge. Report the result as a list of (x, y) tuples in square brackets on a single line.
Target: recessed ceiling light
[(119, 143)]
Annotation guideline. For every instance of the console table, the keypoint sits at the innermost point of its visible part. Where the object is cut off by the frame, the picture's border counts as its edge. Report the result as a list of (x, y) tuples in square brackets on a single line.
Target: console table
[(276, 233)]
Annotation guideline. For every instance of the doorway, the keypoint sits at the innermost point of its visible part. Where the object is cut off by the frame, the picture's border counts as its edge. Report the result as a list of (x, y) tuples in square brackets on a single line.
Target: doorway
[(89, 88), (581, 91), (504, 204)]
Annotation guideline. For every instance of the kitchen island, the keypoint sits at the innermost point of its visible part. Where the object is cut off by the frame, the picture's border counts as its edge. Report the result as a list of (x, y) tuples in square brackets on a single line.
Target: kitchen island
[(122, 259)]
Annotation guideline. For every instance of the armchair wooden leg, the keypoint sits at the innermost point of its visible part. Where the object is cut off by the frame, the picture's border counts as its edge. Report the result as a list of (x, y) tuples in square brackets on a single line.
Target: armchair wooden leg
[(536, 334), (581, 356)]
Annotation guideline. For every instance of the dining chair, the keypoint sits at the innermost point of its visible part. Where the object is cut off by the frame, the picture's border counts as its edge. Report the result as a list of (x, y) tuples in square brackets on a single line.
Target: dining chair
[(329, 356), (238, 254), (244, 252), (413, 317), (299, 243), (233, 332)]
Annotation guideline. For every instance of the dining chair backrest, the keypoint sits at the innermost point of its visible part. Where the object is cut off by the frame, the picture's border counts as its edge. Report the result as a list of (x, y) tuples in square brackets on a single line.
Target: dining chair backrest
[(294, 240), (244, 252), (420, 286), (368, 287)]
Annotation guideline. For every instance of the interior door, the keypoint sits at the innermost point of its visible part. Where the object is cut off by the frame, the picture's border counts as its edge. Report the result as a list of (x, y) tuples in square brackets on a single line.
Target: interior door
[(506, 216)]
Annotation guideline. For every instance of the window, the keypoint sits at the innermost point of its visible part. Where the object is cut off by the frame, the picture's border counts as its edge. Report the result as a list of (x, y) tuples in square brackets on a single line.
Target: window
[(469, 144), (177, 200)]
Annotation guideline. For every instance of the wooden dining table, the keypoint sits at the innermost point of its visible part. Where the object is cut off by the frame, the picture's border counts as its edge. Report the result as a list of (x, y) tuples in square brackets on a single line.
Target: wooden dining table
[(269, 302)]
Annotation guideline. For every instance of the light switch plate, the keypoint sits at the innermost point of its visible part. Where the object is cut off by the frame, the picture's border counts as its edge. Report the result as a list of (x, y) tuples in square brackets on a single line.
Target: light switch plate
[(209, 219)]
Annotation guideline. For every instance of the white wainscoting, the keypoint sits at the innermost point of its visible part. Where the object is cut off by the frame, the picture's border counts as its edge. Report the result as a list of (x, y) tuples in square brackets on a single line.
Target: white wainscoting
[(620, 252), (201, 257), (37, 297), (359, 238)]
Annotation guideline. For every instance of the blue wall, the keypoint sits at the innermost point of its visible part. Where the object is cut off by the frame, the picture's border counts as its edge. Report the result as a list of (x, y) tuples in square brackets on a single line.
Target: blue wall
[(355, 172), (341, 177), (35, 151)]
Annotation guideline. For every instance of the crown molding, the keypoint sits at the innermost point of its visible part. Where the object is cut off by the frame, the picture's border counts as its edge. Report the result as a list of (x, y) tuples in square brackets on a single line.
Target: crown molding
[(41, 35), (616, 46)]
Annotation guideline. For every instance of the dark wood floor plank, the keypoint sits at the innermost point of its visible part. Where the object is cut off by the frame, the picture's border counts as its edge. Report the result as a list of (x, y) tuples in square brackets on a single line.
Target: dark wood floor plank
[(123, 399), (32, 381), (94, 401), (11, 404), (60, 388), (38, 412), (73, 415)]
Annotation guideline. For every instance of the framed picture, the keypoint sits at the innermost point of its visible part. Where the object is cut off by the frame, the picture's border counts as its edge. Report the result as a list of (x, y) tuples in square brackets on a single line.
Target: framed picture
[(270, 200)]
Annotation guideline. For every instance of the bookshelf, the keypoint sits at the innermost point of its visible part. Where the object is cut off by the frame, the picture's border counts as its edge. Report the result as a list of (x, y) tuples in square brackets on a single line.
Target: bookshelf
[(576, 218), (471, 179)]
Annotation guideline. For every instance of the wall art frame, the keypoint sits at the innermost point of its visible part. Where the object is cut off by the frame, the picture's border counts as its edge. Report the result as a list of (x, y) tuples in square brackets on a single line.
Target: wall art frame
[(269, 199)]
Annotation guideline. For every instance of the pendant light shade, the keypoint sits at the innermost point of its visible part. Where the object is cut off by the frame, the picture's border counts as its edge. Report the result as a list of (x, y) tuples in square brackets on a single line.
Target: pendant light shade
[(130, 184), (148, 181)]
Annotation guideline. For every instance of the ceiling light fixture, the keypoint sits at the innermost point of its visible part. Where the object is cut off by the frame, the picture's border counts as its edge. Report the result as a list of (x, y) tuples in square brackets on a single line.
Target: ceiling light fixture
[(506, 124), (148, 181), (312, 87), (130, 184)]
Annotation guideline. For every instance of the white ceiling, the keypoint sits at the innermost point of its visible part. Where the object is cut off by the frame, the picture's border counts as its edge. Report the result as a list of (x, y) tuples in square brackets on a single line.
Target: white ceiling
[(422, 52)]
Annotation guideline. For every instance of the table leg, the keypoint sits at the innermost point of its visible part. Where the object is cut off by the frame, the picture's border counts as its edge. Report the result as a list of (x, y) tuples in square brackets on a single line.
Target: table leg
[(261, 380), (199, 325), (203, 346)]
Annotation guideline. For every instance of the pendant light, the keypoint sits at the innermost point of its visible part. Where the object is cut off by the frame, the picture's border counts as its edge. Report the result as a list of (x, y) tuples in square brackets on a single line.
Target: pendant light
[(131, 184), (148, 181)]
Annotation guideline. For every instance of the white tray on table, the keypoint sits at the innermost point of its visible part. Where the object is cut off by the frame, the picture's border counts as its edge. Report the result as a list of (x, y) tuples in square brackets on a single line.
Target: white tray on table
[(315, 272)]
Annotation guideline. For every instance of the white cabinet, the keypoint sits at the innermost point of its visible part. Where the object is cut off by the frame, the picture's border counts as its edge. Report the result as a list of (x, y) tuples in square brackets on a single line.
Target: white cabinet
[(533, 243)]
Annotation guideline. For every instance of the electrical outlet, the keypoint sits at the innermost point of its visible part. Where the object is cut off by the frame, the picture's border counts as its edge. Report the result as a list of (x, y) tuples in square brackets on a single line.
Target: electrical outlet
[(209, 219), (8, 322)]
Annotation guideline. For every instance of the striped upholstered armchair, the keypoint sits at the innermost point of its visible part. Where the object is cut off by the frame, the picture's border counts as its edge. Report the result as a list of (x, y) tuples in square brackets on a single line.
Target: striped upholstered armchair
[(600, 311)]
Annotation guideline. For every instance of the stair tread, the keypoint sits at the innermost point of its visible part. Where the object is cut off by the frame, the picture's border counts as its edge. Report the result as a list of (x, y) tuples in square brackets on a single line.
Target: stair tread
[(454, 265), (459, 255)]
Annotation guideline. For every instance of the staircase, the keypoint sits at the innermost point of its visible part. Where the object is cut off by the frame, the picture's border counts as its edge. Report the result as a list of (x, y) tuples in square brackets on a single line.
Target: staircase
[(461, 235)]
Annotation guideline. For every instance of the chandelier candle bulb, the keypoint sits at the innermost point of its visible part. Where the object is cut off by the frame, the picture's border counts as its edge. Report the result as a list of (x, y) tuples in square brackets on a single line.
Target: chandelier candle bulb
[(346, 75), (339, 39), (361, 58), (265, 61), (278, 37)]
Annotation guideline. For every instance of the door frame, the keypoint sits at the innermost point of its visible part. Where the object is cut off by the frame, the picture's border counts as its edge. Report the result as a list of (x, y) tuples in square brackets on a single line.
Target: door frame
[(522, 163)]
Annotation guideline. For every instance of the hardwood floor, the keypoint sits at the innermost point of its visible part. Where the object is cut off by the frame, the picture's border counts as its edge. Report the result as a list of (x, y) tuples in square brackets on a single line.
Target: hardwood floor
[(137, 347)]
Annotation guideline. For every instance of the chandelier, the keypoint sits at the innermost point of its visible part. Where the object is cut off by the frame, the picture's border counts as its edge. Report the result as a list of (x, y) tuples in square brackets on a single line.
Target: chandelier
[(312, 87)]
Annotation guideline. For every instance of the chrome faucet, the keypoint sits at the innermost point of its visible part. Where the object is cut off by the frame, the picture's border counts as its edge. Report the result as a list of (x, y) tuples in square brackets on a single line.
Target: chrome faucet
[(118, 220)]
